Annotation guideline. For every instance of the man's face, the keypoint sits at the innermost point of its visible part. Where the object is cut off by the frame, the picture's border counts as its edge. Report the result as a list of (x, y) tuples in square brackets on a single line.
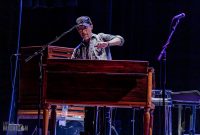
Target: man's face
[(85, 32)]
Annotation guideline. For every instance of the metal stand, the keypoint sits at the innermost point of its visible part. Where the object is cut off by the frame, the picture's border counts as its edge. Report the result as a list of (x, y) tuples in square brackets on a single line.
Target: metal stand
[(40, 92), (96, 131), (168, 119), (163, 58), (40, 52), (158, 102), (133, 121), (192, 119), (106, 126), (12, 112)]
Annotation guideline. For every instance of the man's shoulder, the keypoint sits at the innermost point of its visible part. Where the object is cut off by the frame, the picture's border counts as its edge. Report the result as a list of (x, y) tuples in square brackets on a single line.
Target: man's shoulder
[(101, 34), (98, 35)]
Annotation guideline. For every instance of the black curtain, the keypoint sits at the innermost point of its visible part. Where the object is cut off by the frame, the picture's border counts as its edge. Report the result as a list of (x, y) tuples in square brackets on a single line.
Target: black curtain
[(144, 24), (9, 24)]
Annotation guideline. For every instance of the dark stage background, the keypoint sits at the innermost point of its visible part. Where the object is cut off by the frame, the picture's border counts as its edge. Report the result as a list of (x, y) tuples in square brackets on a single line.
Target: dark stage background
[(144, 24)]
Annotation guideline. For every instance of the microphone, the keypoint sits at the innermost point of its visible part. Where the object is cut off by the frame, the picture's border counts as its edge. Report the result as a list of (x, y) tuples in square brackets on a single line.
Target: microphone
[(179, 16)]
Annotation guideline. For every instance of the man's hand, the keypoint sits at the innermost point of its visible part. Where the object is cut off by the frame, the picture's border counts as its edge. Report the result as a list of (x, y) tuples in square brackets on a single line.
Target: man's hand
[(102, 45)]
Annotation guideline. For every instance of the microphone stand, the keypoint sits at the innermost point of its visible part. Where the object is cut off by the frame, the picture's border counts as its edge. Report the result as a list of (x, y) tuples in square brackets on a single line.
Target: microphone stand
[(40, 52), (48, 44), (163, 58)]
